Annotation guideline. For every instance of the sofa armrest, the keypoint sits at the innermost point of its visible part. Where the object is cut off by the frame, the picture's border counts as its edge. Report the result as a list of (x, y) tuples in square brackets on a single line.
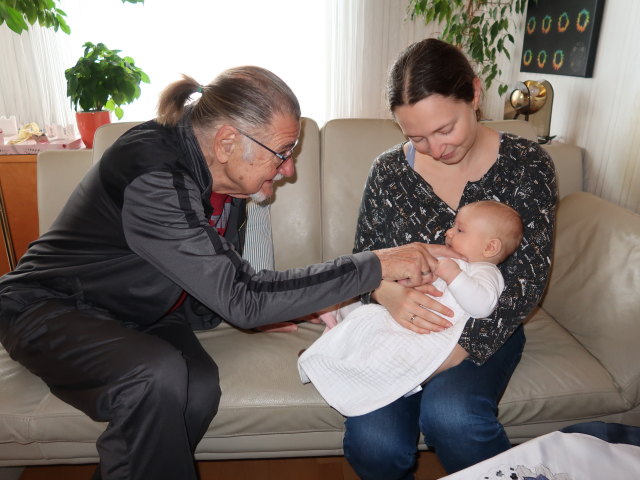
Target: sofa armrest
[(594, 284)]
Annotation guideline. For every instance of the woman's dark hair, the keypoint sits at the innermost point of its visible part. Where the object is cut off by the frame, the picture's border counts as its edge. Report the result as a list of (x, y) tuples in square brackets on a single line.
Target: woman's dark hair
[(244, 96), (430, 67)]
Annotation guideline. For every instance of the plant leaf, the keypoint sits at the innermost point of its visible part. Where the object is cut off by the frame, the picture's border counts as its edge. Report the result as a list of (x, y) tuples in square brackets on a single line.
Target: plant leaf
[(14, 18), (479, 27)]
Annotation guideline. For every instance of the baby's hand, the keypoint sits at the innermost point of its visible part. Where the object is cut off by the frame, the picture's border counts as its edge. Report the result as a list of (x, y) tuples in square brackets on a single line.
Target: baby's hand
[(447, 269), (329, 319)]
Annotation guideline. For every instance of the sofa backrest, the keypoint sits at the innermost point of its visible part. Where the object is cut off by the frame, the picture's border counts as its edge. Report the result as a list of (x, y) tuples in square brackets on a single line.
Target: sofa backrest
[(59, 171), (314, 215), (107, 134), (348, 148), (517, 127), (569, 171), (599, 244), (295, 209), (57, 174)]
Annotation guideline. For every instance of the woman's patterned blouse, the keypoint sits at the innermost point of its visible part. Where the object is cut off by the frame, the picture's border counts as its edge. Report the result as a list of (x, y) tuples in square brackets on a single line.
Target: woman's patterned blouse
[(399, 206)]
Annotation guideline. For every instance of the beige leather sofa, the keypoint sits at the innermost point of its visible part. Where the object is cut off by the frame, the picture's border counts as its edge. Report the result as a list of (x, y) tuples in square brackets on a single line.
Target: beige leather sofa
[(581, 361)]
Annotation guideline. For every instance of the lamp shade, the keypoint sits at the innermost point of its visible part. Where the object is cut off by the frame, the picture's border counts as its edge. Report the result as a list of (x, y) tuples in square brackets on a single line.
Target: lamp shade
[(528, 97)]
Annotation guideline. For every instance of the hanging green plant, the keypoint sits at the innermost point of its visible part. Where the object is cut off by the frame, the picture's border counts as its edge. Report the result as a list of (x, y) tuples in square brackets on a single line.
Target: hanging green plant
[(20, 14), (101, 79), (481, 28)]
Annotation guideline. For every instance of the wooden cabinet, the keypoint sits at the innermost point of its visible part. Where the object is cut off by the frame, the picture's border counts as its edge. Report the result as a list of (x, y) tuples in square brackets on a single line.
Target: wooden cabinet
[(18, 183)]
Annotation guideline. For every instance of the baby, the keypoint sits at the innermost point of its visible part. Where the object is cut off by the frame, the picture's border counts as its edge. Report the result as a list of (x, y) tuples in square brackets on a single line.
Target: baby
[(368, 360)]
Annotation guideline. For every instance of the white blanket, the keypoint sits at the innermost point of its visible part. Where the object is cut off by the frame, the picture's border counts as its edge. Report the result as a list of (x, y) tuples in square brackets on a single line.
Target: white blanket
[(369, 360)]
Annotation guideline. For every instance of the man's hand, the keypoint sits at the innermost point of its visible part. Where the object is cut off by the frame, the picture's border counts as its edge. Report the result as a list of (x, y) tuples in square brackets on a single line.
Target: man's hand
[(408, 262), (412, 263)]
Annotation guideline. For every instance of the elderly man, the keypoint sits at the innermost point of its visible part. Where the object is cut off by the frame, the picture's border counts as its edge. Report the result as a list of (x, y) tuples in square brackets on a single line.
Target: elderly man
[(103, 306)]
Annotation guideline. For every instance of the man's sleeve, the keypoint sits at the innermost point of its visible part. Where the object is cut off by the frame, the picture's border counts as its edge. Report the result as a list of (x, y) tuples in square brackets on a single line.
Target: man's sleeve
[(164, 223)]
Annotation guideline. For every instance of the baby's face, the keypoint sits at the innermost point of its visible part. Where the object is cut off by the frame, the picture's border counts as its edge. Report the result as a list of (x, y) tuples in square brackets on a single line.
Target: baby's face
[(469, 235)]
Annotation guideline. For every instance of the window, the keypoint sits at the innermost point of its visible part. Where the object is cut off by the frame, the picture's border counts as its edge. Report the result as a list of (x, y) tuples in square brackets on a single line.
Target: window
[(203, 37)]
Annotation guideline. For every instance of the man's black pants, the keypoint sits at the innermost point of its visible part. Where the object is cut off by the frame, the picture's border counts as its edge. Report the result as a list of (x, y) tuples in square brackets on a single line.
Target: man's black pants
[(155, 385)]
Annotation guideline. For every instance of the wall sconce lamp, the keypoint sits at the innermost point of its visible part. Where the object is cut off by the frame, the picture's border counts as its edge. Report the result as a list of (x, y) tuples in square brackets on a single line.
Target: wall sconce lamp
[(534, 100)]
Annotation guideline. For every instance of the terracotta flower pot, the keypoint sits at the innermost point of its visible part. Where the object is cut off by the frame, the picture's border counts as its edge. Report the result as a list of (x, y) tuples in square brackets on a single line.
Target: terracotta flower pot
[(88, 123)]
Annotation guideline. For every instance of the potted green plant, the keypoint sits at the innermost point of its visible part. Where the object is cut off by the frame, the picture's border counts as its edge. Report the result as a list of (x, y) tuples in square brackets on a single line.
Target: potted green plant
[(99, 83)]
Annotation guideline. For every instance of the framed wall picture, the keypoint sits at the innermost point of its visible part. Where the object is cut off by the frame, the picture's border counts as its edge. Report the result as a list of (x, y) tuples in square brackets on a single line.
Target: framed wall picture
[(561, 36)]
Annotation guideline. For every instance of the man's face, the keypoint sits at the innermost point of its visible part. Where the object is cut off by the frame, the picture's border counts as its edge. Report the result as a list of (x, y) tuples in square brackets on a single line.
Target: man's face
[(258, 169)]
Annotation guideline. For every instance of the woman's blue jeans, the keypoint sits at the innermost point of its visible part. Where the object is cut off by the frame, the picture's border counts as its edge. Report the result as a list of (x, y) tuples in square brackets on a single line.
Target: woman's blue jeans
[(456, 411)]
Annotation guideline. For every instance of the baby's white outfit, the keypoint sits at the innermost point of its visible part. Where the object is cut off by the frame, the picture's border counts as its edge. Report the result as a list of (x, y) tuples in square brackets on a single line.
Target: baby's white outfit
[(368, 360)]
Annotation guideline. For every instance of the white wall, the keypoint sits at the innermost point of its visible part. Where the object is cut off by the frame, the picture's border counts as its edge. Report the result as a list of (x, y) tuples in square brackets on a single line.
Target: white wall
[(602, 114)]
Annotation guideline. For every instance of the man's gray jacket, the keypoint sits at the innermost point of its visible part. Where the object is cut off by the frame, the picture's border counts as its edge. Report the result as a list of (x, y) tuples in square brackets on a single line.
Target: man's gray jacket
[(135, 234)]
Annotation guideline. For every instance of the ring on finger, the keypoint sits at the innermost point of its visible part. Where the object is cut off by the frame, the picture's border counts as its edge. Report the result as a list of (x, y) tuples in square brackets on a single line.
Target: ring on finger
[(413, 317)]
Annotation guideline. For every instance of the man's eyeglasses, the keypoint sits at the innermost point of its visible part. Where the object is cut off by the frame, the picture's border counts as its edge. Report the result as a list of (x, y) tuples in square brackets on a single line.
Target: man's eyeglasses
[(283, 157)]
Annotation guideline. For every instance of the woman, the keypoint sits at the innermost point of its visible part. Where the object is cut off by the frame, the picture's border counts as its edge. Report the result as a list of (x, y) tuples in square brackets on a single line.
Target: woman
[(102, 307), (412, 194)]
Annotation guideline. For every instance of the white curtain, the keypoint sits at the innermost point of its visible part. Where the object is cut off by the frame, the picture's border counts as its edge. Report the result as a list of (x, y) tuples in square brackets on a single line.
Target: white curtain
[(32, 84), (364, 39)]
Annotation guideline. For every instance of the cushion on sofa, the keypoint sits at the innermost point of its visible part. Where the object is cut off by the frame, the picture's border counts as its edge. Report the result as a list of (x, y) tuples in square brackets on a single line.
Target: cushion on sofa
[(557, 379), (34, 424), (263, 397)]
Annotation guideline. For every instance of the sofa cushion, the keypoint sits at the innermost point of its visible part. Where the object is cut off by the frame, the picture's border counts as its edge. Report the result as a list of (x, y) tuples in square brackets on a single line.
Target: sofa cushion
[(265, 409), (35, 426), (259, 376), (597, 251), (262, 394), (557, 379)]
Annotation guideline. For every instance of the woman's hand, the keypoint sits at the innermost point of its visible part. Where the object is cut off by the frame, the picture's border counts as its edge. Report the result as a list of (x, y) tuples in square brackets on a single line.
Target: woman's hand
[(410, 307)]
